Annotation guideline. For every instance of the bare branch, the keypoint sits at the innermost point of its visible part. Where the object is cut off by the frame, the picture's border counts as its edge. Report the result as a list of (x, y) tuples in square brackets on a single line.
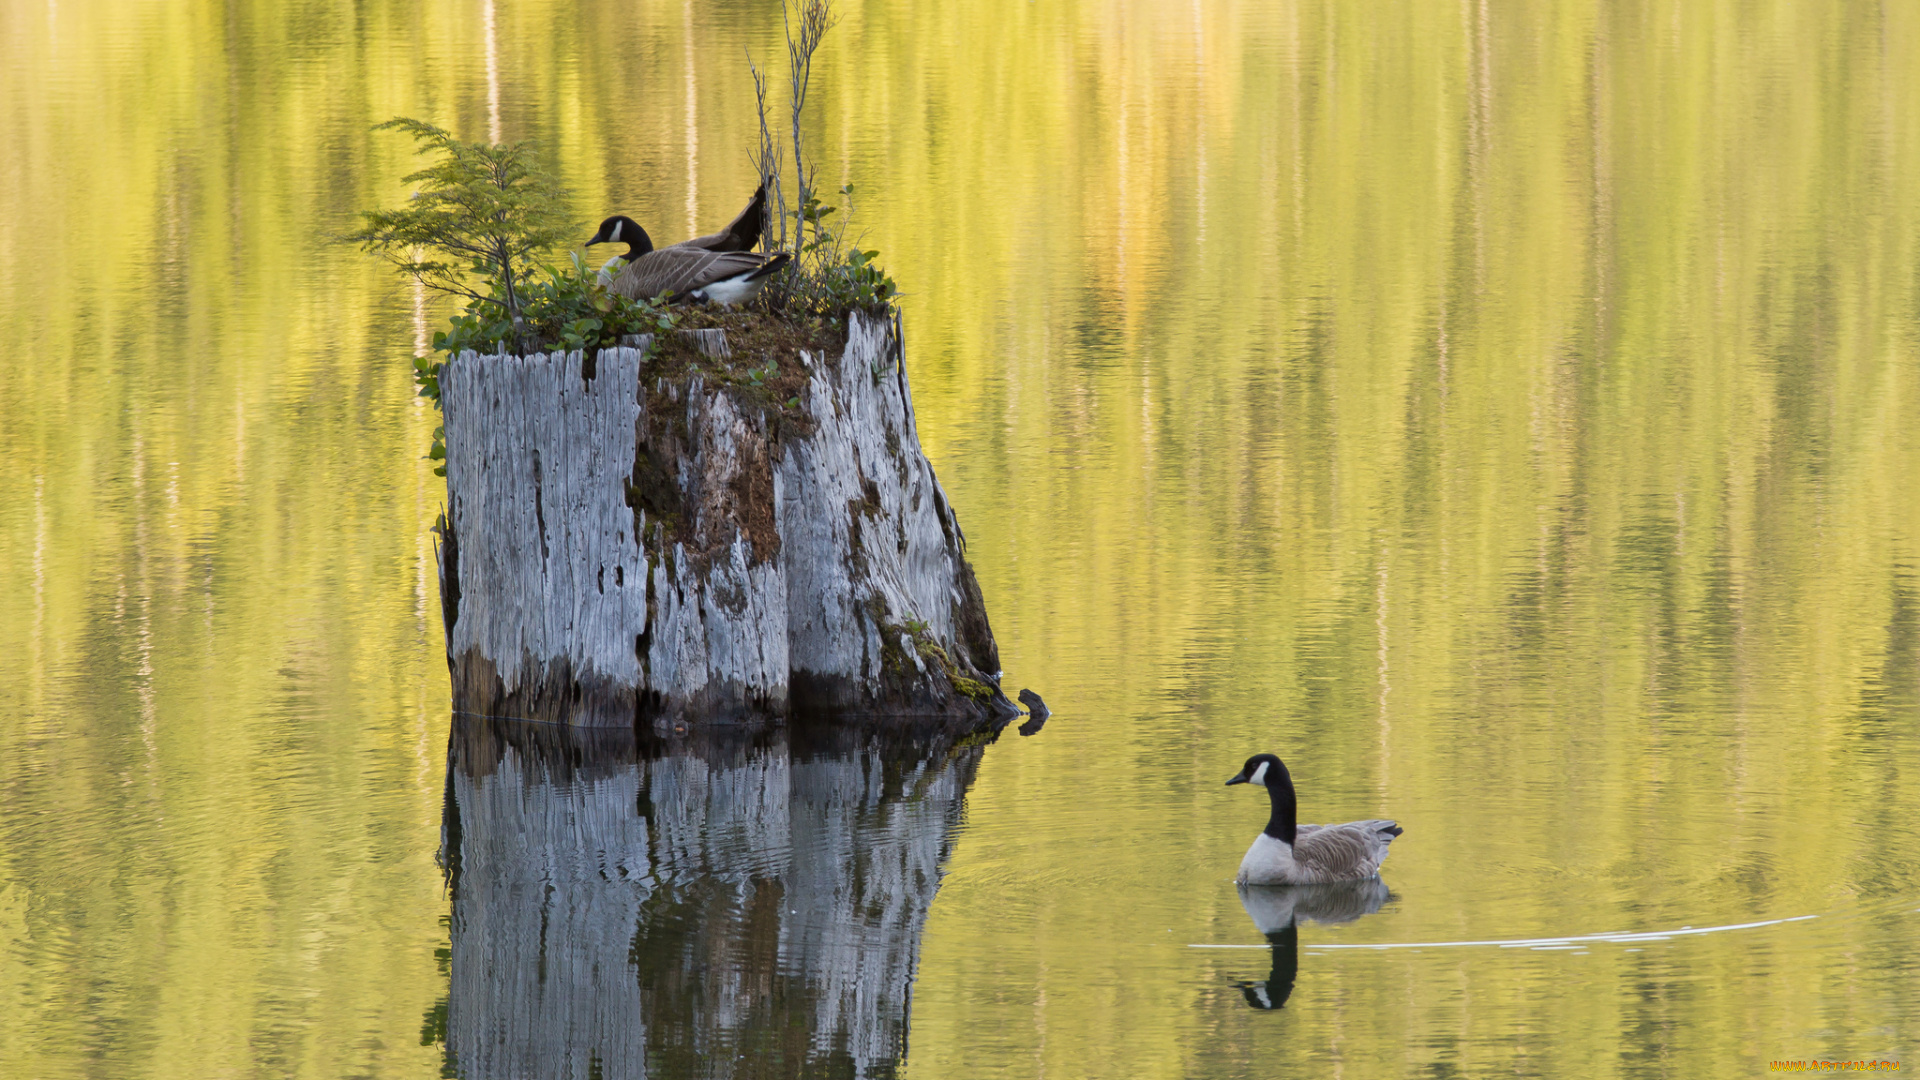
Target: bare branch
[(828, 275), (806, 23), (767, 161)]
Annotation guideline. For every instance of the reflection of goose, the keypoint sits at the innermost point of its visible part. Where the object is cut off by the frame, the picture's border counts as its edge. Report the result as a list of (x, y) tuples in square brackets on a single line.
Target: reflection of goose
[(1275, 907), (1278, 910), (1288, 854), (1278, 986)]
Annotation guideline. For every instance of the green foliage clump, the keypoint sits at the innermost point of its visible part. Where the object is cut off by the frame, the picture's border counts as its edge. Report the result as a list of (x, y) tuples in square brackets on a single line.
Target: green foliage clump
[(567, 310), (831, 275), (481, 221)]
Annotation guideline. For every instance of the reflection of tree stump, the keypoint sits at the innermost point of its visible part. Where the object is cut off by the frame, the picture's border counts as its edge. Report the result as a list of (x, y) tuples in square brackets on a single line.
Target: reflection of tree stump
[(738, 908), (633, 537)]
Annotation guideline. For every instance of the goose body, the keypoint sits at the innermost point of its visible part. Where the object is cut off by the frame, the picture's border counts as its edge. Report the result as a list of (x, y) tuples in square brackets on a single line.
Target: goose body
[(683, 272), (1287, 853), (740, 235)]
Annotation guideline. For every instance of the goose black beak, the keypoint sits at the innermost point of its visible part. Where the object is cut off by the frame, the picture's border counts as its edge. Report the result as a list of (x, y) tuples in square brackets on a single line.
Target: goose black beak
[(1241, 779)]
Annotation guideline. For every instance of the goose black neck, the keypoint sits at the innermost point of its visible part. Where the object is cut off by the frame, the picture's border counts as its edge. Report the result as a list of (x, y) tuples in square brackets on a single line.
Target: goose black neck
[(625, 230), (1281, 824)]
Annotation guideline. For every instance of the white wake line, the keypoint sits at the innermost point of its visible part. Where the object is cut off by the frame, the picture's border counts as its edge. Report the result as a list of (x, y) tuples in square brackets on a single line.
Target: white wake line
[(1545, 942)]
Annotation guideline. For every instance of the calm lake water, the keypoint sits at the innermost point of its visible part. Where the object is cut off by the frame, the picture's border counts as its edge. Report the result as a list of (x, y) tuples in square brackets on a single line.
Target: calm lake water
[(1507, 412)]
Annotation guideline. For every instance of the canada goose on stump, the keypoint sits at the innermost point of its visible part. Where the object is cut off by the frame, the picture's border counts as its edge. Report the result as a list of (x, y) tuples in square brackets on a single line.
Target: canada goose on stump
[(681, 272), (1286, 853), (740, 235)]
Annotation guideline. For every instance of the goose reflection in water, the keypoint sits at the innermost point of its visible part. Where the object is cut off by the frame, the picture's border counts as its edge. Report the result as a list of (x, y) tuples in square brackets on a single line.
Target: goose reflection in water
[(1277, 912)]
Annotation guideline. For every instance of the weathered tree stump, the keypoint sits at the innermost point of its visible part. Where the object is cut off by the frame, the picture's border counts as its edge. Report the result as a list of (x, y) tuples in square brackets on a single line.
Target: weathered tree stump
[(632, 541)]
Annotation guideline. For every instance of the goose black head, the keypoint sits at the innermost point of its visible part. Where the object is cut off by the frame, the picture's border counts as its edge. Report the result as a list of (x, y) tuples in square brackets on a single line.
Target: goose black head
[(620, 229), (1264, 770), (1268, 772)]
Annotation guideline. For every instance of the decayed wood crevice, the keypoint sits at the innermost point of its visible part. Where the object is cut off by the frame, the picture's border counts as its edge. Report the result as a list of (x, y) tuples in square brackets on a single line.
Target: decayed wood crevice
[(632, 540)]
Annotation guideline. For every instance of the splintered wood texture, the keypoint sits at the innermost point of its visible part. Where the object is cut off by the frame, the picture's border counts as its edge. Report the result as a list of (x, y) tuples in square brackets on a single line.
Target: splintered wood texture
[(625, 545), (550, 572), (589, 902), (863, 515)]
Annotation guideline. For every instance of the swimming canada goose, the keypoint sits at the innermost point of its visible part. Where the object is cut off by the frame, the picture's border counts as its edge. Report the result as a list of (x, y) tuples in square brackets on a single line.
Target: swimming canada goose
[(681, 272), (1286, 853), (741, 235)]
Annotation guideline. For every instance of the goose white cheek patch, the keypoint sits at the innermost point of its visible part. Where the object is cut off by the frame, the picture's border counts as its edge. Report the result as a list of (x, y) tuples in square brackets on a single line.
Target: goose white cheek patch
[(617, 226), (1259, 775)]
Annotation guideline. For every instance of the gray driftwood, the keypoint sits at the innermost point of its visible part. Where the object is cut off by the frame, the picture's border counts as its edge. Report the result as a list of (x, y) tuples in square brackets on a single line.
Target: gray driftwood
[(622, 546), (719, 907)]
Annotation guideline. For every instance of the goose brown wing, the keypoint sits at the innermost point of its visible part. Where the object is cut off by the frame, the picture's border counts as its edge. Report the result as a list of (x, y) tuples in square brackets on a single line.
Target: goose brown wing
[(742, 234), (677, 270), (1343, 852)]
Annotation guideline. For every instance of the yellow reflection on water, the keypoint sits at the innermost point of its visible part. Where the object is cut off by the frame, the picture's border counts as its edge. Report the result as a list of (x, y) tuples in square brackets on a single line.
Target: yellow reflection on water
[(1503, 411)]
